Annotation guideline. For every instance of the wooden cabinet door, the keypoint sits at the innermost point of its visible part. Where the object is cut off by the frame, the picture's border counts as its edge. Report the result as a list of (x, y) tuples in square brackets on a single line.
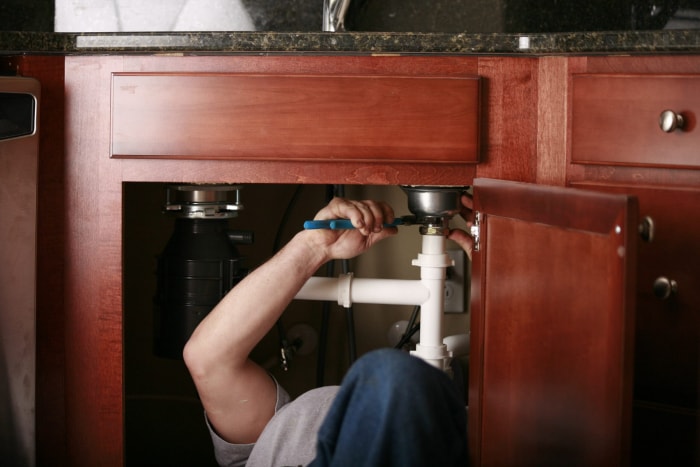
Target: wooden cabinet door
[(552, 326)]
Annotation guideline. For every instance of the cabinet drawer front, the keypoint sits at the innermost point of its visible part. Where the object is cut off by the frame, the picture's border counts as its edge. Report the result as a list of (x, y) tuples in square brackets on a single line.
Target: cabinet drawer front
[(615, 120), (295, 117)]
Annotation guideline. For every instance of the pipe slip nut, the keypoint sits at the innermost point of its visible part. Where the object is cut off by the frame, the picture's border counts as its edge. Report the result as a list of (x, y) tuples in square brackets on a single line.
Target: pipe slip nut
[(344, 290), (442, 260)]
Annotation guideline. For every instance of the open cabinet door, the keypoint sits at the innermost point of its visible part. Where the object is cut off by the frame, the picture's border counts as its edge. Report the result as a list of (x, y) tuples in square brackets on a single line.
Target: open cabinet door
[(552, 326)]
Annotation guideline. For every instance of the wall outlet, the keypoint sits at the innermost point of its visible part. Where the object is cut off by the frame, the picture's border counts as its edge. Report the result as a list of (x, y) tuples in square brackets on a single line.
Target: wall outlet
[(454, 284)]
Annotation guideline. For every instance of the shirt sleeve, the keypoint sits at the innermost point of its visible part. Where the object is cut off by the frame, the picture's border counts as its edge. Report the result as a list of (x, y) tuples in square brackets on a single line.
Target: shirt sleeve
[(236, 455)]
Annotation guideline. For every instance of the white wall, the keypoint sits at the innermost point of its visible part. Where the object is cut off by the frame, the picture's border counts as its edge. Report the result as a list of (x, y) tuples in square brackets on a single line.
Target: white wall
[(151, 15)]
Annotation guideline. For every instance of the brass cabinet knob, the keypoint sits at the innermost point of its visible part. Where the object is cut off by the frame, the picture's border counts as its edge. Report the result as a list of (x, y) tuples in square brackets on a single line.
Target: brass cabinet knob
[(665, 287), (646, 229), (670, 121)]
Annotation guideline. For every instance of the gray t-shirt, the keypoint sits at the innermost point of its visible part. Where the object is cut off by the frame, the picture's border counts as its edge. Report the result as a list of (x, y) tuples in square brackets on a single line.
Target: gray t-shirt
[(289, 439)]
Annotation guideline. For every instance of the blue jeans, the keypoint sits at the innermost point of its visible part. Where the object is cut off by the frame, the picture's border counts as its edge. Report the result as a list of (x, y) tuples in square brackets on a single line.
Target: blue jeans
[(394, 409)]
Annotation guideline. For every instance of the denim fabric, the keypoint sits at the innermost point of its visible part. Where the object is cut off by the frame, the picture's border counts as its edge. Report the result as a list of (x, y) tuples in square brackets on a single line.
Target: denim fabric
[(394, 409)]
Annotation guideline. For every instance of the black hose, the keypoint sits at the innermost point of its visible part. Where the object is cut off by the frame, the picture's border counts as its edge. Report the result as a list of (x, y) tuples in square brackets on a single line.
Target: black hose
[(412, 320), (276, 244), (325, 313), (339, 190), (407, 337), (411, 328)]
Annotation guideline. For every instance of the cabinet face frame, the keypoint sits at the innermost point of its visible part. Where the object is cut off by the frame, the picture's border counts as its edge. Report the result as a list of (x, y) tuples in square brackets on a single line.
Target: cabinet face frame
[(552, 326)]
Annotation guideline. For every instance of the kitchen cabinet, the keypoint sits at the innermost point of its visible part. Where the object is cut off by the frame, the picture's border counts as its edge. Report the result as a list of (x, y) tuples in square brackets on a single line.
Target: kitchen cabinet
[(95, 175), (526, 121), (624, 103)]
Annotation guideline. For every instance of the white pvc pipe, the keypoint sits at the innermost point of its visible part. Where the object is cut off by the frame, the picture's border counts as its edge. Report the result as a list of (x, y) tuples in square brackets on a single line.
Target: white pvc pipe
[(433, 262), (347, 290), (458, 344), (428, 292)]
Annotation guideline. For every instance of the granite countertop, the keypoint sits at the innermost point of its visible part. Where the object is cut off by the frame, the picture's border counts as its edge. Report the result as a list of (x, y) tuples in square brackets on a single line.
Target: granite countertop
[(613, 42)]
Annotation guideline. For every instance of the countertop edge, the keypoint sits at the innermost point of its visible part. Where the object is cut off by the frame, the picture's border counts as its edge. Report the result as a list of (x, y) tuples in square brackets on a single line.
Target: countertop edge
[(599, 42)]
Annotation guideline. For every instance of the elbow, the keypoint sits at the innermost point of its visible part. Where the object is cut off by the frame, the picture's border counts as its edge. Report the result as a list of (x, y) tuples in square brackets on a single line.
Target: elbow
[(205, 358), (195, 359), (189, 354)]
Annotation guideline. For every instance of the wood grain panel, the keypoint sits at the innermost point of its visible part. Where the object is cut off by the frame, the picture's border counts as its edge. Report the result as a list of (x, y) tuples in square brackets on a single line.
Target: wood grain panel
[(664, 63), (551, 128), (615, 120), (347, 173), (296, 117), (305, 64), (94, 398), (552, 326), (509, 128)]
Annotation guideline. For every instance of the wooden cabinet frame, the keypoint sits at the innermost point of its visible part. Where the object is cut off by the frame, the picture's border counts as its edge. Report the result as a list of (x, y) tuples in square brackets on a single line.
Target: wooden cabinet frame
[(93, 386)]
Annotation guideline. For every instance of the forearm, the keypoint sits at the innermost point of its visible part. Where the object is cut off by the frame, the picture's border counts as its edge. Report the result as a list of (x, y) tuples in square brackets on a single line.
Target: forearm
[(232, 329)]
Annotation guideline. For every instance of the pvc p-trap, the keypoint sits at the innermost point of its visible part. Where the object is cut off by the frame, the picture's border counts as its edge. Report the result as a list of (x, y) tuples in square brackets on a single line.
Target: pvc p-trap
[(428, 293)]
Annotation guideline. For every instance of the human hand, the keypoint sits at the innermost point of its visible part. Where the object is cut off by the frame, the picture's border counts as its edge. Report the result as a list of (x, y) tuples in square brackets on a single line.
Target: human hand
[(367, 217), (462, 237)]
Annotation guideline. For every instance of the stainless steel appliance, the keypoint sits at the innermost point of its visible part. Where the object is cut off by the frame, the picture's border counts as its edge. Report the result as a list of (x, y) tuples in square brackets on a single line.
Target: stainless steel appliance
[(19, 135)]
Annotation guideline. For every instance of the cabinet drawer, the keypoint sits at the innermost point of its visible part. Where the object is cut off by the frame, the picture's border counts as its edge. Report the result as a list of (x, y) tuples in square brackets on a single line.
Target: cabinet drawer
[(615, 120), (295, 117)]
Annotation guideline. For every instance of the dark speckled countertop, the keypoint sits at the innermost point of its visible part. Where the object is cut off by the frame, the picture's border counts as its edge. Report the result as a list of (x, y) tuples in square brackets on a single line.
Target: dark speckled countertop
[(522, 27), (621, 42)]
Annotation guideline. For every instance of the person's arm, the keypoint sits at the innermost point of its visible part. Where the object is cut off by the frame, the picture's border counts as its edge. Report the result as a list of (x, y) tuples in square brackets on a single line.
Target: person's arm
[(459, 236), (237, 394)]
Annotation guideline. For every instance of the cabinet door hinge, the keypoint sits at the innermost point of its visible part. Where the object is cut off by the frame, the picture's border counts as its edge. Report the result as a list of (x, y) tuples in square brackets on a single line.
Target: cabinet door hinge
[(475, 230)]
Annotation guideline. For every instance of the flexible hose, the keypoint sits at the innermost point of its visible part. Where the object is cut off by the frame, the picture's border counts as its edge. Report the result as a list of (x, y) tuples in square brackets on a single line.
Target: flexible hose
[(276, 244), (325, 312)]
